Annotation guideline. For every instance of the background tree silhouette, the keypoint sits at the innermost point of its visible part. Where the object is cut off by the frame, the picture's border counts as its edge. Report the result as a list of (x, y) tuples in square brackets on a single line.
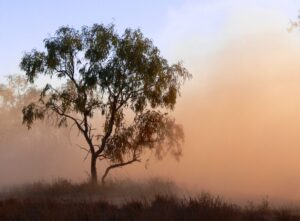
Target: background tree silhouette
[(122, 79)]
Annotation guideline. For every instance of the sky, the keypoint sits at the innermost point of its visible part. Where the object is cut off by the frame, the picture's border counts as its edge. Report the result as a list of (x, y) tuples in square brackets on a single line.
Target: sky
[(240, 111), (24, 24)]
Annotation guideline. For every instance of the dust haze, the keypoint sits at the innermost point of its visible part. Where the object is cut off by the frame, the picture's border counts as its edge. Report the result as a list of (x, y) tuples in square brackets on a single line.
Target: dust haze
[(240, 113)]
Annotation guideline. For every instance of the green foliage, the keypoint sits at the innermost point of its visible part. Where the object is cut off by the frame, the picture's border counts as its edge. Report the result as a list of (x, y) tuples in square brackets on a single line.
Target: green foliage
[(113, 75)]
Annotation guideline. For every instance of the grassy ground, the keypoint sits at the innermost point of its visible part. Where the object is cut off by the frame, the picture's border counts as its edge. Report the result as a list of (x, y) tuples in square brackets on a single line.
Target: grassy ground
[(155, 200)]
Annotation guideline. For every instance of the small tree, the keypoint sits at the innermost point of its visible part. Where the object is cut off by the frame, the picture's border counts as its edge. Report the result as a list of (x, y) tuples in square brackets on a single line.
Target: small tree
[(117, 77), (15, 92)]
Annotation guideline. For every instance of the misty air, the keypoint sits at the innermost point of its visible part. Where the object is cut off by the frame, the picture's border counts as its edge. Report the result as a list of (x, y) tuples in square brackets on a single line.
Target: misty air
[(154, 110)]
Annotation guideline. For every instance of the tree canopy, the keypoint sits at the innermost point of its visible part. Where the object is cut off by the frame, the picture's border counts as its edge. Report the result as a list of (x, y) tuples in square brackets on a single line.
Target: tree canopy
[(122, 78)]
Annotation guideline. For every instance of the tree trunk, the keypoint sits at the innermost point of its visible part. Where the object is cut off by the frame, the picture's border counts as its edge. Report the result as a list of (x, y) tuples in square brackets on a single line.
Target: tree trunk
[(94, 178)]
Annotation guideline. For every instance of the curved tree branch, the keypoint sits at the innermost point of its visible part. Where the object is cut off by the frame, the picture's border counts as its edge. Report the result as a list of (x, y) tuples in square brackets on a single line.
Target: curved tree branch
[(117, 165)]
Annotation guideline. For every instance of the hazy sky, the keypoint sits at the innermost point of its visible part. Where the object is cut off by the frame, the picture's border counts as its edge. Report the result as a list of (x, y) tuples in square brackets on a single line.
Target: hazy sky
[(241, 111), (24, 24)]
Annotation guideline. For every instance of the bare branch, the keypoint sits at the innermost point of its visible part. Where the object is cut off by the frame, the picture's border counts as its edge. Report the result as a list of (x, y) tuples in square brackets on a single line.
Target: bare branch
[(83, 148), (118, 165)]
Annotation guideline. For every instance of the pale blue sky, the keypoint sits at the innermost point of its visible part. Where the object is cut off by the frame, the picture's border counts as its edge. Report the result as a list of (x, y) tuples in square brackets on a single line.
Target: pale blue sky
[(24, 24)]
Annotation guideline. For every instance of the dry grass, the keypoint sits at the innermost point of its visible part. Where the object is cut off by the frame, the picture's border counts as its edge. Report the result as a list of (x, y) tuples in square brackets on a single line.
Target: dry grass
[(124, 200), (115, 192)]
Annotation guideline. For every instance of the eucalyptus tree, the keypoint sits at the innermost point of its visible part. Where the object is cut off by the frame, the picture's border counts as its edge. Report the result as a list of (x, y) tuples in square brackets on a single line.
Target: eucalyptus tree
[(122, 78)]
